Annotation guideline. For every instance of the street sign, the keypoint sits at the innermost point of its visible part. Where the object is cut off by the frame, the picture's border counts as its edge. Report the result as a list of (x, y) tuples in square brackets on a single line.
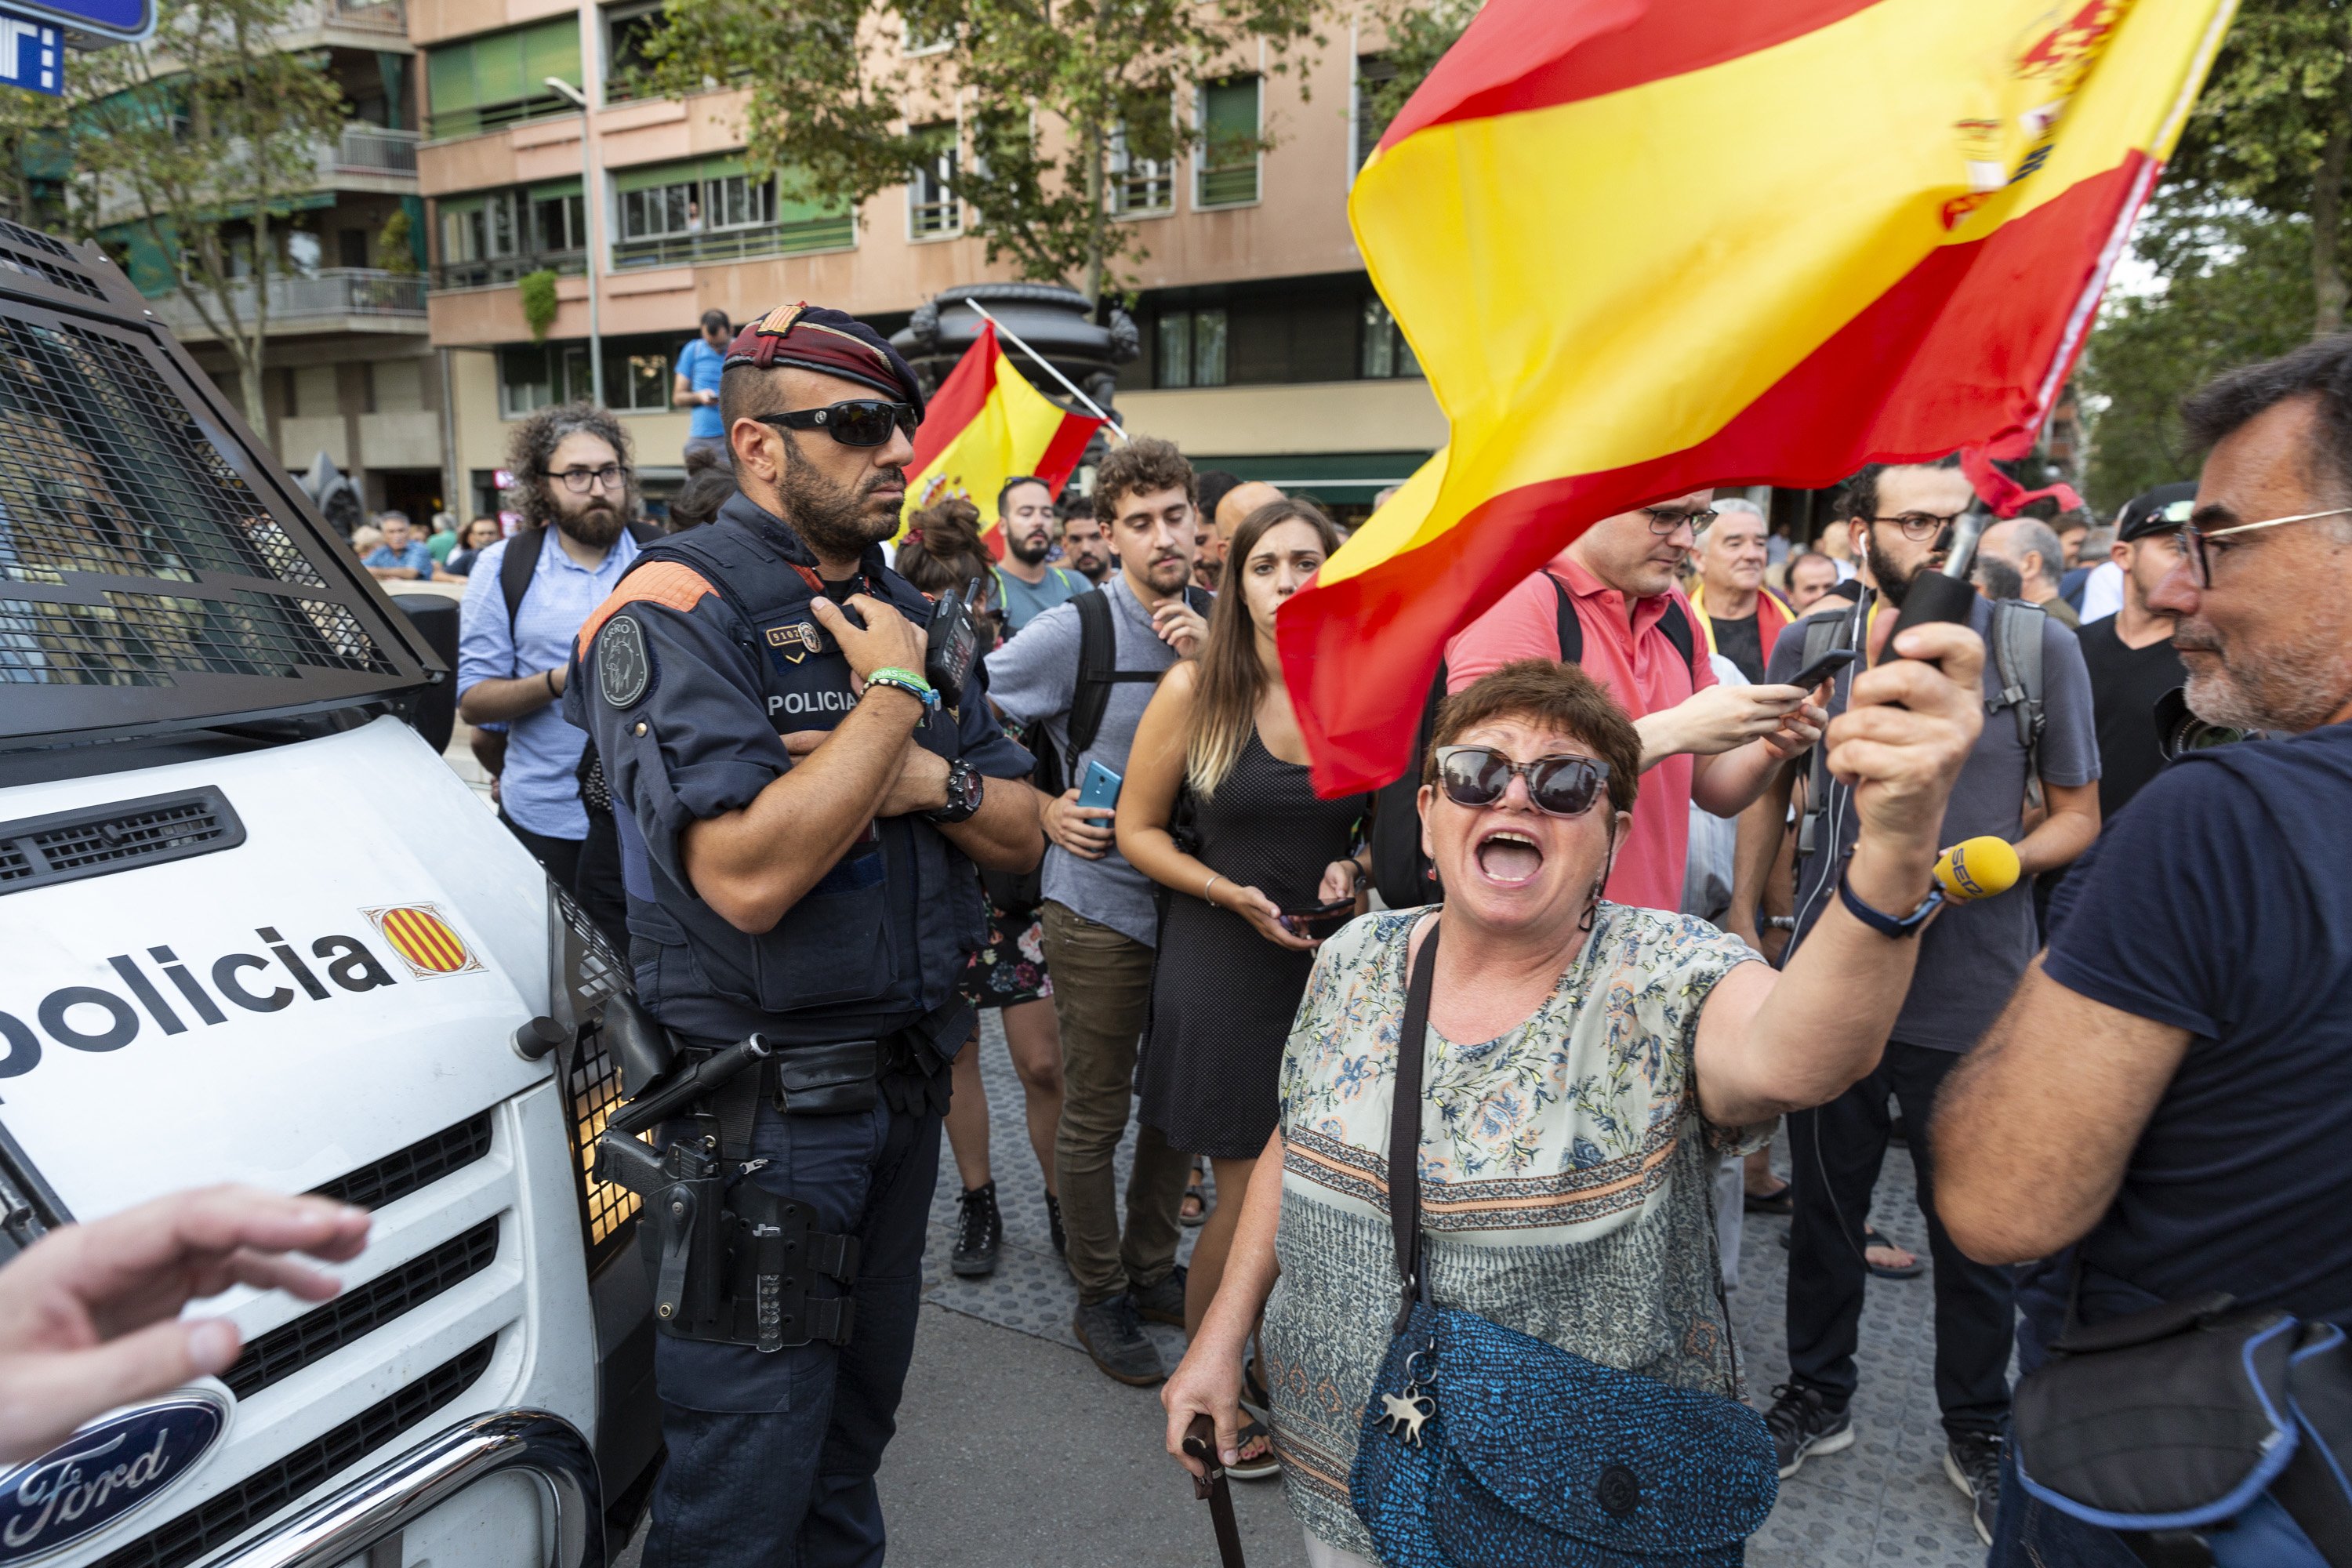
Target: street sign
[(85, 24), (28, 56)]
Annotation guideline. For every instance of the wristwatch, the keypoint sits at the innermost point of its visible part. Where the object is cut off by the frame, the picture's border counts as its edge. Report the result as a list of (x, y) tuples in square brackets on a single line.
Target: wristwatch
[(1879, 920), (965, 789)]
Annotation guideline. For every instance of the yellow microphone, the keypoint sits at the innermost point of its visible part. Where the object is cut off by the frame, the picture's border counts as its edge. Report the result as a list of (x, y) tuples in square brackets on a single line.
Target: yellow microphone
[(1976, 869)]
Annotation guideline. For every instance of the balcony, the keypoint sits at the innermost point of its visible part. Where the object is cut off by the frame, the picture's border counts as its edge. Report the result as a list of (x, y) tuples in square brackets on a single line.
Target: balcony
[(497, 269), (340, 298), (368, 16), (835, 232), (370, 150), (362, 158)]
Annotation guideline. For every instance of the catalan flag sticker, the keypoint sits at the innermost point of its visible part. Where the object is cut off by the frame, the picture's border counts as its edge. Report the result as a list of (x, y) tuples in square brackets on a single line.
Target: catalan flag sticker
[(424, 940)]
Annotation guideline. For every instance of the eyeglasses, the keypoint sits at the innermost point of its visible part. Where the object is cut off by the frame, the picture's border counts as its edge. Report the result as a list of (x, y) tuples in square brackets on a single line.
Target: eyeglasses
[(1665, 520), (2195, 537), (1921, 525), (860, 422), (580, 482), (1559, 787)]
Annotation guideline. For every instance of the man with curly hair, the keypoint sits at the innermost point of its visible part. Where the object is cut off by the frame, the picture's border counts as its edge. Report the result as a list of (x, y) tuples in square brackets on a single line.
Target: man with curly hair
[(578, 499)]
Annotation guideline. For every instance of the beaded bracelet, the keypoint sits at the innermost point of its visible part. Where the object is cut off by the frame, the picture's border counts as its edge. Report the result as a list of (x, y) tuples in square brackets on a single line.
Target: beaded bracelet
[(905, 680)]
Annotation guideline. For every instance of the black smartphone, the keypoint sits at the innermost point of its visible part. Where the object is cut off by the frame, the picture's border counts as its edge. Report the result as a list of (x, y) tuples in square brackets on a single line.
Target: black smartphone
[(1322, 921), (1822, 668)]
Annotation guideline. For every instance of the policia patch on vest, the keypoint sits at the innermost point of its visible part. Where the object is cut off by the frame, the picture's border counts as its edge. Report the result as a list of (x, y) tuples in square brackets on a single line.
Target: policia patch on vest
[(625, 667)]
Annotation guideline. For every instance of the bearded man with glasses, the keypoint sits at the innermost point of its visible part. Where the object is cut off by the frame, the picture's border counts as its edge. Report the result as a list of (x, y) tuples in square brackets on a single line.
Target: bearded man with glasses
[(2169, 1091), (803, 791)]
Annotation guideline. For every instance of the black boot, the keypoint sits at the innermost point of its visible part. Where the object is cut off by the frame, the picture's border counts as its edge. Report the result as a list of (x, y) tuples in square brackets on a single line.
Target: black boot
[(980, 1232), (1053, 1219)]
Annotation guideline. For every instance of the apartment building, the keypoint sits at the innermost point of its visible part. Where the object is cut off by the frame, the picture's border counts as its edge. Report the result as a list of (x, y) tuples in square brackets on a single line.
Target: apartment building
[(1265, 349), (349, 368)]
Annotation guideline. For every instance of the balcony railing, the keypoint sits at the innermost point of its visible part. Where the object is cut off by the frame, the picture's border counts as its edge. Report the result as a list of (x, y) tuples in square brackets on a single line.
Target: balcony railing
[(507, 269), (370, 150), (736, 243), (373, 15), (333, 293)]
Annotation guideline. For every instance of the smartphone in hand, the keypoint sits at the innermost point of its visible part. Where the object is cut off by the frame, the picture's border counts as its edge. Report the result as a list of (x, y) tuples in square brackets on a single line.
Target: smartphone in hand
[(1100, 790), (1822, 668), (1321, 921)]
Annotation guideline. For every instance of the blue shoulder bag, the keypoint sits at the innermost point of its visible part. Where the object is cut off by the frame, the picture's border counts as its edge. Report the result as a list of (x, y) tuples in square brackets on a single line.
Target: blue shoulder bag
[(1485, 1447)]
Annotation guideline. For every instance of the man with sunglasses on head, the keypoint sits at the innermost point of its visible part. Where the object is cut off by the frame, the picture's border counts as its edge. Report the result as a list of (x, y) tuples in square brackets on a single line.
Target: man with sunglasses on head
[(1899, 520), (2169, 1091), (1701, 740), (800, 809), (525, 599)]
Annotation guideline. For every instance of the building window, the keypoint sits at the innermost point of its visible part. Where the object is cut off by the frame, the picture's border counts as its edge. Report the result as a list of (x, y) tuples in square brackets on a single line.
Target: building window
[(933, 209), (1386, 354), (499, 78), (921, 42), (1139, 185), (627, 71), (534, 376), (1228, 162), (478, 228), (739, 201), (559, 221), (1372, 71), (1192, 348), (636, 378), (715, 210)]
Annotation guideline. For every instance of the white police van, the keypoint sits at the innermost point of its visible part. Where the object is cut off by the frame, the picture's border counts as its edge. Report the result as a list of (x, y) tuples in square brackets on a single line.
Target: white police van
[(253, 928)]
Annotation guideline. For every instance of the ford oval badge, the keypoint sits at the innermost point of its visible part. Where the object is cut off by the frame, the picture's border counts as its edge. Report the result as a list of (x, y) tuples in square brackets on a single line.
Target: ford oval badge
[(103, 1472)]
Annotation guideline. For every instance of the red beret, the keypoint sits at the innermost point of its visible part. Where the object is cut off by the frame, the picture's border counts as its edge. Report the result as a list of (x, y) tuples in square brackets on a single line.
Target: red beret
[(833, 342)]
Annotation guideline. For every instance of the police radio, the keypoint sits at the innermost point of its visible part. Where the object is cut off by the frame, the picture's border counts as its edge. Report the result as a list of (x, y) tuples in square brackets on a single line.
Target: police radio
[(953, 644)]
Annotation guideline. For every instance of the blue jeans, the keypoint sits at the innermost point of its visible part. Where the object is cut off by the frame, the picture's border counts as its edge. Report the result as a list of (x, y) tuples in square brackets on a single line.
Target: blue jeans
[(2029, 1533), (773, 1456)]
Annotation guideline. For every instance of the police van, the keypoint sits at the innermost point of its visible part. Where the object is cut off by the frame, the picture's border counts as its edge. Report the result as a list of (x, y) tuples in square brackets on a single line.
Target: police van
[(254, 929)]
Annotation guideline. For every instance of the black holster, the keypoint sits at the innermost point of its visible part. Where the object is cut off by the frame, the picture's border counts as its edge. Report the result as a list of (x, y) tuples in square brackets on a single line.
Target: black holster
[(733, 1261)]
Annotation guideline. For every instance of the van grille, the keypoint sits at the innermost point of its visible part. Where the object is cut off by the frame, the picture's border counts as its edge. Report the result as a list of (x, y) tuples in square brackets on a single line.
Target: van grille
[(220, 1519), (405, 1171), (318, 1335), (118, 837)]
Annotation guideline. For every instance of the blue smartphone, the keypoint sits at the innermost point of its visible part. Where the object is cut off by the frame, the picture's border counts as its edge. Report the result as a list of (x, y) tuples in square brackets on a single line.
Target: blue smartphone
[(1101, 788)]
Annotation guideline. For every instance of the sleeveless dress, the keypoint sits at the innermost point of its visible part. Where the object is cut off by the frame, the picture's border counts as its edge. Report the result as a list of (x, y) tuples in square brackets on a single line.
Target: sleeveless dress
[(1224, 997)]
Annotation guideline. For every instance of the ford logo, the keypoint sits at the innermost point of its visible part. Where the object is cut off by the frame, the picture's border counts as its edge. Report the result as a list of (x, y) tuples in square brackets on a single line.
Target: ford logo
[(106, 1470)]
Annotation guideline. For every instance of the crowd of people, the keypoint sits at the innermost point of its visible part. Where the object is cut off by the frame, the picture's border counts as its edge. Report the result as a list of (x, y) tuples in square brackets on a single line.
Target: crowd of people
[(1684, 801)]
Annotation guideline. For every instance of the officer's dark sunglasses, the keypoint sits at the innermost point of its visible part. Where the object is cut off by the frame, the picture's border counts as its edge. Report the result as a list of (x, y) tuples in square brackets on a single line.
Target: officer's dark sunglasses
[(860, 422), (1559, 787)]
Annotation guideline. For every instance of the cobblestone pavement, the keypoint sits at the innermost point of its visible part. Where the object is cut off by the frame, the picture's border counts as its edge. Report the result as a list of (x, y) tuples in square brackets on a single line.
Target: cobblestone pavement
[(1883, 1503)]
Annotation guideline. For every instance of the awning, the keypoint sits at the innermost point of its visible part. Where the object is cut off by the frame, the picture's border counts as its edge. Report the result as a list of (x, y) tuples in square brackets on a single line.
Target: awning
[(1336, 477)]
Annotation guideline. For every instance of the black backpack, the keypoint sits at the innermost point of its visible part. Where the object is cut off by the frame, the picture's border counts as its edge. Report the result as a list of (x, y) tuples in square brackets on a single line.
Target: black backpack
[(1400, 870), (1017, 893)]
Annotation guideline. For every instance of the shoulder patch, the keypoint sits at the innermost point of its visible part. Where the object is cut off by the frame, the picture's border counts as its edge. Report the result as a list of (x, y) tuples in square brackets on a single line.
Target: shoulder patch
[(672, 584), (624, 667)]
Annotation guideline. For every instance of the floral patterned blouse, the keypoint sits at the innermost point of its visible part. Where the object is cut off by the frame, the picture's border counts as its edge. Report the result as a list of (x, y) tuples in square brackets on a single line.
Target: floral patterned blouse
[(1566, 1179)]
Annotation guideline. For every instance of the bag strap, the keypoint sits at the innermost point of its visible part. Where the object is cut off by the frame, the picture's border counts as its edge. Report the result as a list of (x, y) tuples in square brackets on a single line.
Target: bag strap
[(520, 563), (1572, 630), (1404, 1126), (2017, 659)]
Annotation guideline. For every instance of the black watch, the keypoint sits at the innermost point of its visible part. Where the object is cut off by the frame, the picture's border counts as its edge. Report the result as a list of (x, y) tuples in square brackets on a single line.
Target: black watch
[(966, 788)]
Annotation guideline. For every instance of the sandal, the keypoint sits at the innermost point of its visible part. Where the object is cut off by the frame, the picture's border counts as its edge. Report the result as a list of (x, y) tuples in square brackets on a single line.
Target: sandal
[(1780, 1200), (1253, 1466), (1912, 1270), (1256, 1400), (1194, 1210)]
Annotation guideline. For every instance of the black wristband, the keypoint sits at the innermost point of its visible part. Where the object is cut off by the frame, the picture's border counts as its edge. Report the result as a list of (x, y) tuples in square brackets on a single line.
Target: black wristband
[(1879, 920)]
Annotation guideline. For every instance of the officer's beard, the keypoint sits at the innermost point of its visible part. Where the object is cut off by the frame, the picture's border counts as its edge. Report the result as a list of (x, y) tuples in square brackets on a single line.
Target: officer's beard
[(596, 525), (838, 522)]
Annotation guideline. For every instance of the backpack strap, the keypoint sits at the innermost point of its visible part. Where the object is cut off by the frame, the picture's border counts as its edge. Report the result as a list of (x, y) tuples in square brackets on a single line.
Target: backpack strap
[(1572, 630), (520, 563), (1676, 624), (2016, 642)]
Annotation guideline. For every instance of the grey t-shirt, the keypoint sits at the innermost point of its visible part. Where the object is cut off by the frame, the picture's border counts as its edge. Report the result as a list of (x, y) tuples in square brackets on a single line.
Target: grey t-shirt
[(1971, 956), (1033, 679)]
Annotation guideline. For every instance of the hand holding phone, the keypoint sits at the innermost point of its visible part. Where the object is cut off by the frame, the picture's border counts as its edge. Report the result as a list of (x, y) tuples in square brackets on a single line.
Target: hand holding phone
[(1822, 668), (1099, 789), (1321, 921)]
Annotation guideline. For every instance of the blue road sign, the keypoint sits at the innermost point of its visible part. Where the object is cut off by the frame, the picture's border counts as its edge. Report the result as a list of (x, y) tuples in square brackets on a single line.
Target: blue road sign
[(31, 55), (85, 24)]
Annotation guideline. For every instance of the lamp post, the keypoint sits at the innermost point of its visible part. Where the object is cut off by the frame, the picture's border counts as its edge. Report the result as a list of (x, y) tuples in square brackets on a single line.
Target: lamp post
[(589, 207)]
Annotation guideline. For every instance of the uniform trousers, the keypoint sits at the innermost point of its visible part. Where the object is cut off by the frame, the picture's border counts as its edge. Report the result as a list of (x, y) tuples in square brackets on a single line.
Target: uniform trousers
[(773, 1455), (1102, 994), (1835, 1153)]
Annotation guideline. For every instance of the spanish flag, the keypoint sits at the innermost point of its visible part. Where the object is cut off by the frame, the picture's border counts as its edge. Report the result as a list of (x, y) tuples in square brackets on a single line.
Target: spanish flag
[(987, 423), (1642, 246)]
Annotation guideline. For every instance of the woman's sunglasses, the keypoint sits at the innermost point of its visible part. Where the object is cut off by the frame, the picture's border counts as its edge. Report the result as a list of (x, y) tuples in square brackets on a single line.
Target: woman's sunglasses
[(1559, 787), (860, 422)]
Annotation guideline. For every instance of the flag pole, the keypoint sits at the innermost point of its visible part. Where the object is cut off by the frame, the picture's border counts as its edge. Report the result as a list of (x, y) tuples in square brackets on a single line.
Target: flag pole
[(1092, 406)]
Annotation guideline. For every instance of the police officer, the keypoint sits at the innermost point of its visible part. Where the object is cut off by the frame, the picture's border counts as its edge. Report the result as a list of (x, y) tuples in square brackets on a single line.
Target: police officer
[(800, 814)]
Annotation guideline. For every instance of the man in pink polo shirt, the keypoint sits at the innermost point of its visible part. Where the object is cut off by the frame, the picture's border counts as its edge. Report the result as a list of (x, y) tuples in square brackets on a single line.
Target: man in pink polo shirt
[(1718, 744)]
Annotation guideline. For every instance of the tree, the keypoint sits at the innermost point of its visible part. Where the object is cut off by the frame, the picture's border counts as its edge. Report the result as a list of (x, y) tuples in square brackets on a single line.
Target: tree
[(192, 145), (36, 157), (2274, 129), (1419, 35), (2232, 289), (841, 103)]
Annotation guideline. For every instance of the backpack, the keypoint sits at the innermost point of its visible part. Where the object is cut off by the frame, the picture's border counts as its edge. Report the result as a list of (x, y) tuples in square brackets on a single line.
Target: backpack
[(516, 567), (1400, 870), (1018, 892), (2014, 641)]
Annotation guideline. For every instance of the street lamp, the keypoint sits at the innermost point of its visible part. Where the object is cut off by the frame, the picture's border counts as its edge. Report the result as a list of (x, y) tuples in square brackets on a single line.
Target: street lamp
[(588, 206)]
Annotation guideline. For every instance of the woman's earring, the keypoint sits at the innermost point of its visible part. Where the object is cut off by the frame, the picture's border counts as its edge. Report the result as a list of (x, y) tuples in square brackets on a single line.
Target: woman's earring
[(1591, 907)]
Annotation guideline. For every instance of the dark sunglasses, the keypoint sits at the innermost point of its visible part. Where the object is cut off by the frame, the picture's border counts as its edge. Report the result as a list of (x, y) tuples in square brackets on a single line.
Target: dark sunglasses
[(1559, 787), (860, 422)]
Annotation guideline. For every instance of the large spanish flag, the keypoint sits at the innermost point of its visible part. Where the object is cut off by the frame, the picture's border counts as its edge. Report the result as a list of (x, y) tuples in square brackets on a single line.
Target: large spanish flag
[(1642, 246), (987, 423)]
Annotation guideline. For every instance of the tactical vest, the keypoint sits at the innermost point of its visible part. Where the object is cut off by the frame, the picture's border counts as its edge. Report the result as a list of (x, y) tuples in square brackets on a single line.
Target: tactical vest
[(881, 940)]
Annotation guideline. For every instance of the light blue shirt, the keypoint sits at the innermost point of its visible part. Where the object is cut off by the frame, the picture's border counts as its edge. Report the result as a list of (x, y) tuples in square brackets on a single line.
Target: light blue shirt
[(416, 556), (701, 365), (539, 788)]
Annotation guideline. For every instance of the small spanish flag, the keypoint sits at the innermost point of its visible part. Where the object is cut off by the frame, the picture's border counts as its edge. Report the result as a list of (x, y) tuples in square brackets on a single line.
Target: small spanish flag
[(987, 423), (1643, 247)]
